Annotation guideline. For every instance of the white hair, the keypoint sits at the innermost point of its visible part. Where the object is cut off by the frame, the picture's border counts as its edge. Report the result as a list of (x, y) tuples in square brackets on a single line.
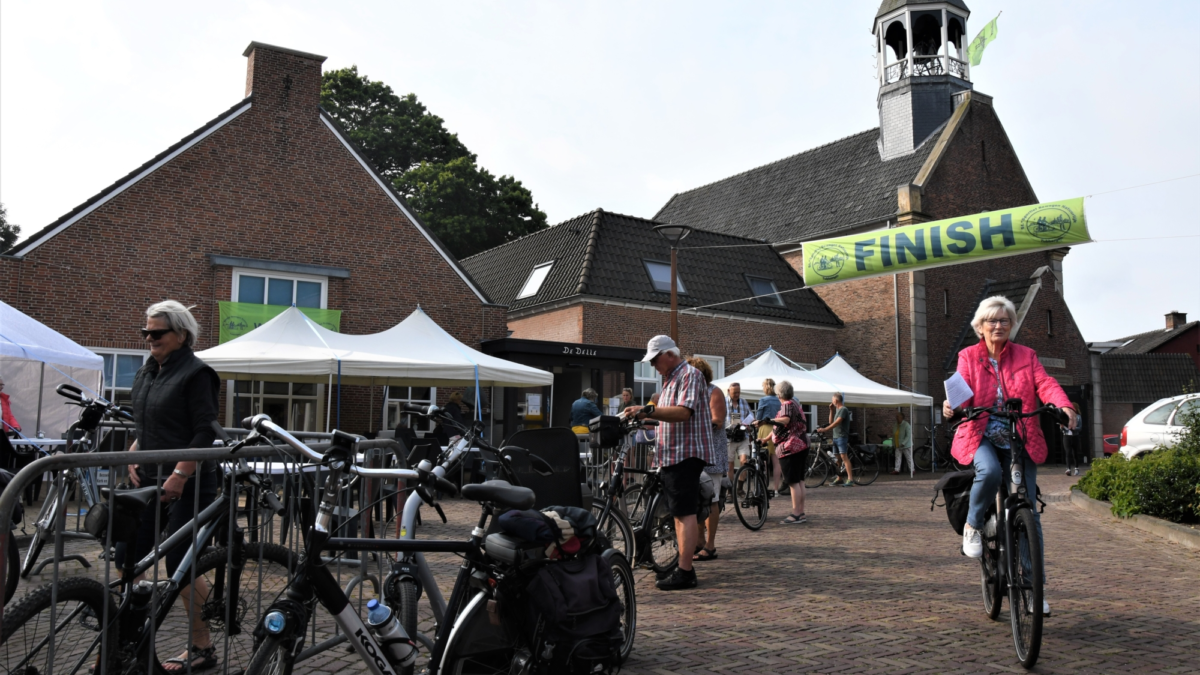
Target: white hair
[(784, 390), (989, 308), (178, 318)]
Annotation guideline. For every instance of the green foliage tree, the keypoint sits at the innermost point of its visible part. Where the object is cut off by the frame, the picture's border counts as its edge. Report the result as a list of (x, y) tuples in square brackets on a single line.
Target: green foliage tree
[(466, 206), (8, 231)]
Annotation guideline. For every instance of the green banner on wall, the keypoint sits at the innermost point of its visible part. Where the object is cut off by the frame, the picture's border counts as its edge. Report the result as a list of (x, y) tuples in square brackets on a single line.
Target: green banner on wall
[(945, 242), (239, 318)]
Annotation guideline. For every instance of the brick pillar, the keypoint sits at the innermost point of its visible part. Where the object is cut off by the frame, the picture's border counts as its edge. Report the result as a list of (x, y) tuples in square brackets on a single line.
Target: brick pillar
[(908, 198)]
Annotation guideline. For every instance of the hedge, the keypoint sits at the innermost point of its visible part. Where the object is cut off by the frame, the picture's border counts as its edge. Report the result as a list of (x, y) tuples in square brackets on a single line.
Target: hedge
[(1165, 483)]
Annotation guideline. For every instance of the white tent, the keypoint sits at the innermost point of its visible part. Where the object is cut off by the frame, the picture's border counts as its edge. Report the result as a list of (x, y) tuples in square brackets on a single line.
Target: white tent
[(863, 392), (416, 352), (808, 389), (34, 360)]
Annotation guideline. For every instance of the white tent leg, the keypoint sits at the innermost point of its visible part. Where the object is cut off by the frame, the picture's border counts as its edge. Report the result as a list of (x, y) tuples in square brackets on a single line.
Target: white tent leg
[(41, 385), (328, 401)]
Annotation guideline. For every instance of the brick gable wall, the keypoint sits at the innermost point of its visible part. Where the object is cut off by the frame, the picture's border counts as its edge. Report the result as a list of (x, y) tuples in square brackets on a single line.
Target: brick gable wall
[(275, 183)]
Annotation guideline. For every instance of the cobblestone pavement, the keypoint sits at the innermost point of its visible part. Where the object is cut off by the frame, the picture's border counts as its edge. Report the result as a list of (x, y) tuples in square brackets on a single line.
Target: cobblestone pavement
[(874, 583)]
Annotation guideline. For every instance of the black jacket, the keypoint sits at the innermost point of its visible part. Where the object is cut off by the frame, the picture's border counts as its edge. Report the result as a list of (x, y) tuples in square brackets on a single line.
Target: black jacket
[(174, 405)]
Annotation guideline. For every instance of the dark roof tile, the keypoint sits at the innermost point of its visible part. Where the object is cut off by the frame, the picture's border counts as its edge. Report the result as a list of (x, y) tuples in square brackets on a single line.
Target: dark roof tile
[(1145, 378), (1145, 343)]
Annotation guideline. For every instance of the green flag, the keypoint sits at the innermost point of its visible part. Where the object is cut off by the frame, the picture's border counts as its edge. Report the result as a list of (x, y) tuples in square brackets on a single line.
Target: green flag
[(239, 318), (981, 41)]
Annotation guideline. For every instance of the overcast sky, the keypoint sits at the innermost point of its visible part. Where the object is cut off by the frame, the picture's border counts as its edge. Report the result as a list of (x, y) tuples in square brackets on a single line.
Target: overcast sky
[(620, 105)]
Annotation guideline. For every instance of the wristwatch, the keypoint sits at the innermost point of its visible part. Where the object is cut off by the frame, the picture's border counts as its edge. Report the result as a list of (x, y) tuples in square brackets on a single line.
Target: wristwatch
[(185, 476)]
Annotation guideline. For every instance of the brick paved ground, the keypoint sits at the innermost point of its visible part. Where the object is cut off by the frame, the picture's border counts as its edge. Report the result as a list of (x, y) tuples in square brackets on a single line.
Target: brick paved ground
[(874, 583)]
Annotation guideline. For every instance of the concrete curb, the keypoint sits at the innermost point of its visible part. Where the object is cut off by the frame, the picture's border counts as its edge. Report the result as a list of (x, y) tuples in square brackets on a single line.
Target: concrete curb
[(1179, 534)]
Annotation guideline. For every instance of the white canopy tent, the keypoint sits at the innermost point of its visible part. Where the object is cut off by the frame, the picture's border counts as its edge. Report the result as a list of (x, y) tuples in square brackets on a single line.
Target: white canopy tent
[(817, 386), (861, 391), (34, 360)]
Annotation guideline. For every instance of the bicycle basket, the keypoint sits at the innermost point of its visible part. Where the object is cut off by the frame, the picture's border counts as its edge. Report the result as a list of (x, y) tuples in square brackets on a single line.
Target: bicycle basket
[(956, 493), (605, 431)]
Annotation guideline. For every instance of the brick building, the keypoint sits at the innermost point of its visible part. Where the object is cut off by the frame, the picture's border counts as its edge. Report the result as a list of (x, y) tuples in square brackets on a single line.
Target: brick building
[(940, 151), (269, 203)]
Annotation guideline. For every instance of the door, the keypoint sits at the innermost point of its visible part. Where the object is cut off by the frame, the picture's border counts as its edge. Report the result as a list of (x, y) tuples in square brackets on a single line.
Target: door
[(1174, 430)]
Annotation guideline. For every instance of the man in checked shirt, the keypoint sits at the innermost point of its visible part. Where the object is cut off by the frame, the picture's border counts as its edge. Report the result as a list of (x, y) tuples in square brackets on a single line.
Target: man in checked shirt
[(683, 447)]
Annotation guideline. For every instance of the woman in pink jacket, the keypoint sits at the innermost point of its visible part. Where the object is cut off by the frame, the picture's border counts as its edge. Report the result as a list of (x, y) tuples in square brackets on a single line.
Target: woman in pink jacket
[(997, 370)]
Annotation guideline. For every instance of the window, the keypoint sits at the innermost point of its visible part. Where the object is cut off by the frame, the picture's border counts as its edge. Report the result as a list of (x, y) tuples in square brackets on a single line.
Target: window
[(272, 289), (292, 404), (660, 276), (119, 368), (536, 278), (646, 382), (765, 291), (1188, 407), (1160, 414), (396, 396), (717, 363)]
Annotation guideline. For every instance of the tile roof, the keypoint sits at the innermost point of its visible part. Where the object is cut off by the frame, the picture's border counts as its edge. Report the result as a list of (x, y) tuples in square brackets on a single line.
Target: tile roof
[(816, 193), (892, 5), (600, 254), (1145, 343), (1145, 378)]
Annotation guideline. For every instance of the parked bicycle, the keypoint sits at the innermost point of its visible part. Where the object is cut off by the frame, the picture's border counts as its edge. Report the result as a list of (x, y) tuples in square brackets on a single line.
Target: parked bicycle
[(932, 456), (1012, 562), (824, 462), (127, 627), (751, 498)]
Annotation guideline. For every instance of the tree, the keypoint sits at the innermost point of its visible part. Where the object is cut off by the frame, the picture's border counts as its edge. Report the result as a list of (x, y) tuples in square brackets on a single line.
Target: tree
[(466, 206), (8, 232)]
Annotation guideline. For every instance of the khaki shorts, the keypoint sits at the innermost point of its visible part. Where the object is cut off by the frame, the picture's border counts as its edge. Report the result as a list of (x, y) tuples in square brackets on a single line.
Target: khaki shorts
[(741, 448)]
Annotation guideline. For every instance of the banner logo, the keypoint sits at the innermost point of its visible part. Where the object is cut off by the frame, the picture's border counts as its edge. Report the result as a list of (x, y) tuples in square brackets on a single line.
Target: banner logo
[(828, 261), (235, 324), (1049, 223)]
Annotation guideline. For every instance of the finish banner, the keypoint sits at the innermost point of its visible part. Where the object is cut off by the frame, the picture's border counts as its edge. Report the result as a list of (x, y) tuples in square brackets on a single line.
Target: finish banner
[(239, 318), (945, 242)]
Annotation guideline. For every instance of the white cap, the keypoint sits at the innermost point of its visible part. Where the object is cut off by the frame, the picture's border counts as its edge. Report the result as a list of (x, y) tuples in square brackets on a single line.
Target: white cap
[(657, 345)]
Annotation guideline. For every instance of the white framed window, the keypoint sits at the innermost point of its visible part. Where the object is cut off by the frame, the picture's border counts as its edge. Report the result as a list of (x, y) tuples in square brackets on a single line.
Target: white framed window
[(397, 396), (660, 276), (290, 404), (536, 278), (262, 287), (717, 363), (120, 365), (765, 291), (646, 382)]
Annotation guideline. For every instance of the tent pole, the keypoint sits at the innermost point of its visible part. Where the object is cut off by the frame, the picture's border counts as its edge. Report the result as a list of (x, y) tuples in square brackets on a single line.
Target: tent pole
[(328, 402), (371, 414), (41, 385)]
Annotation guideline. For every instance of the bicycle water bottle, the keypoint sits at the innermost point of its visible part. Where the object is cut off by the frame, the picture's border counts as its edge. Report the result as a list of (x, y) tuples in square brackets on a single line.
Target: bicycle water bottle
[(383, 623)]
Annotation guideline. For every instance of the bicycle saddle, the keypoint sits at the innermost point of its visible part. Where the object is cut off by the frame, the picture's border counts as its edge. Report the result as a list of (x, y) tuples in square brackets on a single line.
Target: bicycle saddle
[(131, 499), (500, 492)]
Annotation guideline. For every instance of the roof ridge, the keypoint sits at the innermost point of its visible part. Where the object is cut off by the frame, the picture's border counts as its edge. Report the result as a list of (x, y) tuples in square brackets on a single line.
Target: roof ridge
[(548, 228), (589, 251)]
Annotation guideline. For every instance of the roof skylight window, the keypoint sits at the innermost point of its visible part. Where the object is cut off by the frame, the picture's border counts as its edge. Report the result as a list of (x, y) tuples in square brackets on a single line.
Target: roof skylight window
[(536, 278), (765, 291), (660, 276)]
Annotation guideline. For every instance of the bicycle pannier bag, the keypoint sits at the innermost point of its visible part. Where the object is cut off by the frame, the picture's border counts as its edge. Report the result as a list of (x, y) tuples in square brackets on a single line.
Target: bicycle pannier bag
[(736, 433), (578, 601), (606, 431), (956, 493), (125, 522)]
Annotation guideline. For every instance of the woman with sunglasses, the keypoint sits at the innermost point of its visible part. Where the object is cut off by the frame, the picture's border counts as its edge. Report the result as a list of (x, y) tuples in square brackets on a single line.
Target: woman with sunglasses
[(174, 406)]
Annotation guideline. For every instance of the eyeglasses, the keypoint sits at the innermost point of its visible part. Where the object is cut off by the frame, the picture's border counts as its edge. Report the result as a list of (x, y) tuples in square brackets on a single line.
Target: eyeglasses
[(998, 322), (156, 334)]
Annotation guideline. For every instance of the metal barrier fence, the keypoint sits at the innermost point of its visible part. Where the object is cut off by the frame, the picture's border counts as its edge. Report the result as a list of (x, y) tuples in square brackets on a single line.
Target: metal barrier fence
[(207, 583), (597, 463)]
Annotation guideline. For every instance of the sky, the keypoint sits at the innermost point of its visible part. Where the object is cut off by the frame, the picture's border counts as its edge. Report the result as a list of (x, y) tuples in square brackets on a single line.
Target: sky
[(619, 105)]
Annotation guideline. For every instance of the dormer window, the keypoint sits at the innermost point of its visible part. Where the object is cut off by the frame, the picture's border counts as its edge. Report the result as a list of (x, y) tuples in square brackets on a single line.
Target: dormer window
[(536, 278), (660, 276), (765, 292)]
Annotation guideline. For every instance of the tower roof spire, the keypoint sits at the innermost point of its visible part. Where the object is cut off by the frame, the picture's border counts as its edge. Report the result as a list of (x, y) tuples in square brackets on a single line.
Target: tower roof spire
[(892, 5)]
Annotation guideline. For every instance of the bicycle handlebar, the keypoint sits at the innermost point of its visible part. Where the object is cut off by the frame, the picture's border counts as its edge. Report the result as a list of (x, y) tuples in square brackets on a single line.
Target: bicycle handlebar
[(67, 391), (262, 424), (1011, 411)]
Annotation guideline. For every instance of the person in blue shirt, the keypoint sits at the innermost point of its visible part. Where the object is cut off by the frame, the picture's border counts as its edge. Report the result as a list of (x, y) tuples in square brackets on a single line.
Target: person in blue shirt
[(768, 407), (583, 410)]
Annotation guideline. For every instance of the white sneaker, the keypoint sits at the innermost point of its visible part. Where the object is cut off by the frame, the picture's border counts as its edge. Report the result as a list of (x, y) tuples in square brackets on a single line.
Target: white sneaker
[(972, 545), (1045, 608)]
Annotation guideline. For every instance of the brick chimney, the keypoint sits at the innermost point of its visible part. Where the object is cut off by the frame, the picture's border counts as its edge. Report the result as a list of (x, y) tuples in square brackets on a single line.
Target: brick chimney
[(1176, 319), (282, 78)]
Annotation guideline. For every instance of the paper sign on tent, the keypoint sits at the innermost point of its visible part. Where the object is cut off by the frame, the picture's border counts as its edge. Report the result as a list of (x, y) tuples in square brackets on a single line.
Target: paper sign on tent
[(958, 391)]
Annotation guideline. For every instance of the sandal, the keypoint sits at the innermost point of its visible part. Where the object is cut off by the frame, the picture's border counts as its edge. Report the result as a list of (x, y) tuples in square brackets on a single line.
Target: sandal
[(207, 659), (793, 519), (705, 554)]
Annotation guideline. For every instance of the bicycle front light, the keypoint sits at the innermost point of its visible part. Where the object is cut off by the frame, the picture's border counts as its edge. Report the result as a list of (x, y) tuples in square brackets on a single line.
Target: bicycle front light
[(275, 622)]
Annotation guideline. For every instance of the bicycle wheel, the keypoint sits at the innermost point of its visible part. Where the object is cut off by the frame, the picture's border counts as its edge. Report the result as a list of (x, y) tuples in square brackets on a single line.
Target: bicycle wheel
[(923, 457), (264, 577), (1025, 591), (818, 470), (28, 645), (404, 604), (627, 593), (866, 467), (12, 568), (664, 547), (633, 503), (750, 497), (273, 657), (990, 578), (616, 527), (43, 525)]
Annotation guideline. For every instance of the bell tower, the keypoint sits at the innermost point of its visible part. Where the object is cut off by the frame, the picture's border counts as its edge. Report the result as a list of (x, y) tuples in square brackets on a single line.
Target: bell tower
[(922, 63)]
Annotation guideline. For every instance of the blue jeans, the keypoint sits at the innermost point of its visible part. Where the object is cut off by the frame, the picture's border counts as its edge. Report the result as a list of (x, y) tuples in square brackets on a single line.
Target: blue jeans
[(841, 446), (991, 466)]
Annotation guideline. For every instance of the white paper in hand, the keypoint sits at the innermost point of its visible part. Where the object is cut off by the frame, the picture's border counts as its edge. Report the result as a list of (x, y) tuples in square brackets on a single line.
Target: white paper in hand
[(958, 391)]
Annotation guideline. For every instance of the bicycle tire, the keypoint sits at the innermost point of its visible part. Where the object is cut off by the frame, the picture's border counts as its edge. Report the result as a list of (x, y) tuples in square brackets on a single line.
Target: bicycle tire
[(750, 499), (264, 577), (405, 607), (12, 568), (818, 470), (1025, 592), (83, 601), (866, 471), (616, 527), (273, 657), (38, 540), (923, 457), (990, 578), (627, 594), (661, 540)]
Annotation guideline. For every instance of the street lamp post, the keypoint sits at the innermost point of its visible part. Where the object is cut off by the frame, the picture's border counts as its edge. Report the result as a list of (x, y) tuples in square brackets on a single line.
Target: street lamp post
[(674, 234)]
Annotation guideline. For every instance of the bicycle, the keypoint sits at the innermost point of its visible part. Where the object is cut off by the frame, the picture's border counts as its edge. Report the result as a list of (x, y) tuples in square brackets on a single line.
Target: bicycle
[(930, 454), (824, 461), (118, 627), (94, 412), (1012, 548), (472, 631), (751, 499)]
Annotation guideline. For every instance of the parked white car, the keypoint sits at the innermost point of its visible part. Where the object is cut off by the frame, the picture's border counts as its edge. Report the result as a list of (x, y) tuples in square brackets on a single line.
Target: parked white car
[(1159, 424)]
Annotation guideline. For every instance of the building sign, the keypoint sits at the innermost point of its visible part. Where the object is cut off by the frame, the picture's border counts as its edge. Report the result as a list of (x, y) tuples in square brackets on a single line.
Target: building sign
[(239, 318), (945, 242), (1052, 363)]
